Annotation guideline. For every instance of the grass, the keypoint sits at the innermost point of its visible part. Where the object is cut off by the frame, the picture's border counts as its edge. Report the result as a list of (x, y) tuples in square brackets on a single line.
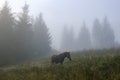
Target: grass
[(86, 65)]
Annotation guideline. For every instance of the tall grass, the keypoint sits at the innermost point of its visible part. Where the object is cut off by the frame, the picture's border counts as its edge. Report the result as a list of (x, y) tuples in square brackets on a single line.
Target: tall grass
[(104, 67)]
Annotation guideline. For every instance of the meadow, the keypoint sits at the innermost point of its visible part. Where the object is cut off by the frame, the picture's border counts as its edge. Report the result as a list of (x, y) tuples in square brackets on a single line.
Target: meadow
[(85, 65)]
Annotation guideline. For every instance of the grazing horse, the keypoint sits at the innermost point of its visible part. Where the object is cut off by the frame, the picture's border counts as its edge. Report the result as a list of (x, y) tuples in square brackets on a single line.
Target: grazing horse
[(60, 58)]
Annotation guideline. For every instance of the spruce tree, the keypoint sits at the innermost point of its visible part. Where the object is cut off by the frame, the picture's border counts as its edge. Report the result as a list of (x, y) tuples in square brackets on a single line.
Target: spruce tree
[(6, 34), (24, 34), (84, 39), (42, 37), (108, 34), (97, 34)]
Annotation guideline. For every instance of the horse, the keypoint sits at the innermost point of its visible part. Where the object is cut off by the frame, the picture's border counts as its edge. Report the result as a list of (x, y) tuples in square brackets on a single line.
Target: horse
[(60, 58)]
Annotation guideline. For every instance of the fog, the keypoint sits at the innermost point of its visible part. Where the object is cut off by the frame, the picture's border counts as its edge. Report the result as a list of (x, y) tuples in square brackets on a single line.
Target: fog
[(71, 13)]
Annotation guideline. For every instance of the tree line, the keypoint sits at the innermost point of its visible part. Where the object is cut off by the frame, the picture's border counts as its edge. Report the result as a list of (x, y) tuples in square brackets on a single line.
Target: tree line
[(22, 37), (101, 37)]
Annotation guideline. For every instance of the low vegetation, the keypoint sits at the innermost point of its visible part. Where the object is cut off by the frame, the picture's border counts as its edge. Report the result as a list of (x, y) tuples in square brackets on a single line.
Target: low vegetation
[(86, 65)]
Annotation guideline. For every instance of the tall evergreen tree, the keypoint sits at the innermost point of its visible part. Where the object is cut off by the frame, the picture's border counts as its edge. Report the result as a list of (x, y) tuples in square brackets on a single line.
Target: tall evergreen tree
[(97, 34), (6, 33), (24, 34), (108, 38), (84, 40), (42, 37)]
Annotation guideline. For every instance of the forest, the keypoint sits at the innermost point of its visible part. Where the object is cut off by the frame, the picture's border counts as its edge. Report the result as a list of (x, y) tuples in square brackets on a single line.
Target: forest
[(21, 38), (26, 49)]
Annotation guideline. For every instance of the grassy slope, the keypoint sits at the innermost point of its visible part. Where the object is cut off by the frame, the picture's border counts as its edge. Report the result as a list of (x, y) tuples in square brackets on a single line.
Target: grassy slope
[(86, 65)]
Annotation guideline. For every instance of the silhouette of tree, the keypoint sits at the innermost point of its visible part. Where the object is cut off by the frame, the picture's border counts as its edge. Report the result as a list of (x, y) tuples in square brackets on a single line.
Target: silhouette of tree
[(97, 34), (42, 37), (108, 38), (6, 34), (24, 34), (84, 39)]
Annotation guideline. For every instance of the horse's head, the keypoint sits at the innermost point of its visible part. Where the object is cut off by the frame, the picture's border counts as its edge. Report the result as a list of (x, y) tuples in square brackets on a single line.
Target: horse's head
[(67, 54)]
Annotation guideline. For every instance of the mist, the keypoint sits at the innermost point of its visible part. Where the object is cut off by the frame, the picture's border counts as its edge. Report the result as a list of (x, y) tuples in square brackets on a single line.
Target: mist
[(59, 40), (34, 29), (58, 14)]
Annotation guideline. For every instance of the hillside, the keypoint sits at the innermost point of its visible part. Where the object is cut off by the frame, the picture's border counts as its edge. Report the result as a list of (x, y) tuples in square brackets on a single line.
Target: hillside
[(85, 65)]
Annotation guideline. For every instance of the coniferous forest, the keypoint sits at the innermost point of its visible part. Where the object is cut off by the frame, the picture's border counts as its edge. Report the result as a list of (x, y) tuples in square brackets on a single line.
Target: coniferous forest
[(27, 51), (21, 37), (100, 37)]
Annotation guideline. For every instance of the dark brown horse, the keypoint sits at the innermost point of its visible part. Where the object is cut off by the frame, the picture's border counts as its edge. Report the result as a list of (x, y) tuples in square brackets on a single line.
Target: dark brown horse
[(60, 58)]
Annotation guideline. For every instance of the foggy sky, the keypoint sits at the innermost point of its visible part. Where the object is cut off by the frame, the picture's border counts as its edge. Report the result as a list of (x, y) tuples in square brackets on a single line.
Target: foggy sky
[(58, 13)]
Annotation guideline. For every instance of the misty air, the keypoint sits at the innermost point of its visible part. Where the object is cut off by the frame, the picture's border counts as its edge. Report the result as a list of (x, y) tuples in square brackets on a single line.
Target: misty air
[(59, 40)]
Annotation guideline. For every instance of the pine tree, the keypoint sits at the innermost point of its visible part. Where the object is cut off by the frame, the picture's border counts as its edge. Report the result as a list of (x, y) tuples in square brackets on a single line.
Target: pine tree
[(97, 34), (42, 37), (6, 34), (108, 34), (24, 34), (84, 40)]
